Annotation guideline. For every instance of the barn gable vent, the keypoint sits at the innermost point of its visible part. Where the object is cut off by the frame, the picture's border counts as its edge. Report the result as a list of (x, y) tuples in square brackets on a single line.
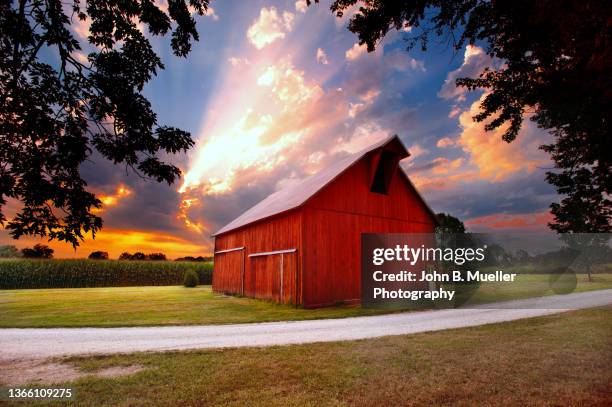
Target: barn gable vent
[(385, 165)]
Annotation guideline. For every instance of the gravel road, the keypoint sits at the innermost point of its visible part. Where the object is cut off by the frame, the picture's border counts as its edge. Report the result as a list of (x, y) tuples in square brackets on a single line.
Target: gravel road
[(30, 343)]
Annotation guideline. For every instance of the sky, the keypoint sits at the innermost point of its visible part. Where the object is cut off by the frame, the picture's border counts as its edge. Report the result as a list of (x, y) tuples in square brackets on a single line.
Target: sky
[(275, 91)]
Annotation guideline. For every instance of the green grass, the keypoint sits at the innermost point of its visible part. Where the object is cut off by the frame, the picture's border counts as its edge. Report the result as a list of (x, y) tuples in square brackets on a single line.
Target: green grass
[(561, 359), (138, 306), (176, 305)]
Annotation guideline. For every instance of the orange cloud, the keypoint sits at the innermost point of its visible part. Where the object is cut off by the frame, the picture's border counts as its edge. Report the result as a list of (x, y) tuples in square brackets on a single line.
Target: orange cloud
[(446, 142), (444, 165), (537, 220), (113, 199), (183, 215), (496, 159), (356, 51), (443, 181)]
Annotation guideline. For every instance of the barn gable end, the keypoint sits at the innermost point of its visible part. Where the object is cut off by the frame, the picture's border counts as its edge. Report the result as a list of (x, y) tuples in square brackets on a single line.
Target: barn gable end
[(337, 215)]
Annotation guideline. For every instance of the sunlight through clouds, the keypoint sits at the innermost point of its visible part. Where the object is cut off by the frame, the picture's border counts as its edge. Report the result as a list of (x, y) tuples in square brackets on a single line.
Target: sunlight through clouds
[(269, 27)]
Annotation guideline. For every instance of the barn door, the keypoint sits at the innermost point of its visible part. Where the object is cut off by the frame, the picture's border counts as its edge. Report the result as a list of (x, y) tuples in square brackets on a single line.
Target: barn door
[(266, 278), (288, 272), (228, 275), (274, 276)]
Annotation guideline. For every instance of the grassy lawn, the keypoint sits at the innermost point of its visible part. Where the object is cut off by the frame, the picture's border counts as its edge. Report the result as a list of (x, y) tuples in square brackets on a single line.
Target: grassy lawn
[(174, 305), (140, 306), (562, 359)]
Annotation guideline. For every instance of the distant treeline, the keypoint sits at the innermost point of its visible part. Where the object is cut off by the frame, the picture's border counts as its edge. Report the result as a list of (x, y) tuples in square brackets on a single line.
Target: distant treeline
[(41, 251), (76, 273), (199, 258)]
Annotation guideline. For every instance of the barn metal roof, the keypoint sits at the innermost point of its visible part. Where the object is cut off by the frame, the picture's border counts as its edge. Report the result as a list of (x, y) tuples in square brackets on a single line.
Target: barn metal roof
[(296, 194)]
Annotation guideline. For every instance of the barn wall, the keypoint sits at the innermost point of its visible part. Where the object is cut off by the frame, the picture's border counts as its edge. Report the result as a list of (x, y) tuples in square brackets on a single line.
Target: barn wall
[(333, 222), (260, 274)]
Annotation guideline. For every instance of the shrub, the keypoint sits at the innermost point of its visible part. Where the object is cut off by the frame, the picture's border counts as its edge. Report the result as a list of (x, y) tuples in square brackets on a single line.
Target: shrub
[(98, 255), (39, 251), (190, 279), (75, 273)]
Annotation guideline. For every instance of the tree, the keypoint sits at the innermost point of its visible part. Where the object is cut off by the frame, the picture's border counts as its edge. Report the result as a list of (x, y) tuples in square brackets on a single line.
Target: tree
[(138, 256), (98, 255), (39, 251), (590, 249), (522, 256), (558, 59), (56, 109), (125, 256), (8, 251), (157, 256), (449, 224)]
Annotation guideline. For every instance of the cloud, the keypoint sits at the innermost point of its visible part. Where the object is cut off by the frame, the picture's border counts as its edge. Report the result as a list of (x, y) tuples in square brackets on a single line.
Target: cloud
[(356, 51), (288, 84), (80, 56), (446, 142), (235, 61), (81, 27), (474, 61), (301, 6), (269, 27), (401, 61), (365, 100), (416, 150), (322, 56), (210, 12), (108, 200), (523, 221), (454, 111), (496, 159)]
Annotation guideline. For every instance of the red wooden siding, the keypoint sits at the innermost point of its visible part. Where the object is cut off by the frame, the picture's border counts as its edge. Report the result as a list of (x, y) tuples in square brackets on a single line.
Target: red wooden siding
[(333, 222), (262, 273), (274, 277), (229, 269)]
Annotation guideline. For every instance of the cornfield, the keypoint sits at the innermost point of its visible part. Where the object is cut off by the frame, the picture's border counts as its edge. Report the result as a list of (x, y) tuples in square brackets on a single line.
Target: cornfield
[(75, 273)]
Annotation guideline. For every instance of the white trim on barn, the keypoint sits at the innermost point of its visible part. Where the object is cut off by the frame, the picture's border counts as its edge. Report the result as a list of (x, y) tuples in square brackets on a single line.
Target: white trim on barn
[(229, 250), (274, 252)]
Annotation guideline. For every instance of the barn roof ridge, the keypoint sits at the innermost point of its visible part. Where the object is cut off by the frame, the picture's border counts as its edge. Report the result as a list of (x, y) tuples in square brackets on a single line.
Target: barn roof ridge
[(295, 195)]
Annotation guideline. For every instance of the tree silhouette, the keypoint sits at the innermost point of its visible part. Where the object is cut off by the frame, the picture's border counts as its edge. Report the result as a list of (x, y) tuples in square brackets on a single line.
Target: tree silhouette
[(557, 62), (98, 255), (138, 256), (125, 256), (57, 109), (156, 256), (39, 251)]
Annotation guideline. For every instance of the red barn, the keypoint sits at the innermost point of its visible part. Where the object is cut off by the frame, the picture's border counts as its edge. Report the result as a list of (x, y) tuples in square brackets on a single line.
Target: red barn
[(301, 245)]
